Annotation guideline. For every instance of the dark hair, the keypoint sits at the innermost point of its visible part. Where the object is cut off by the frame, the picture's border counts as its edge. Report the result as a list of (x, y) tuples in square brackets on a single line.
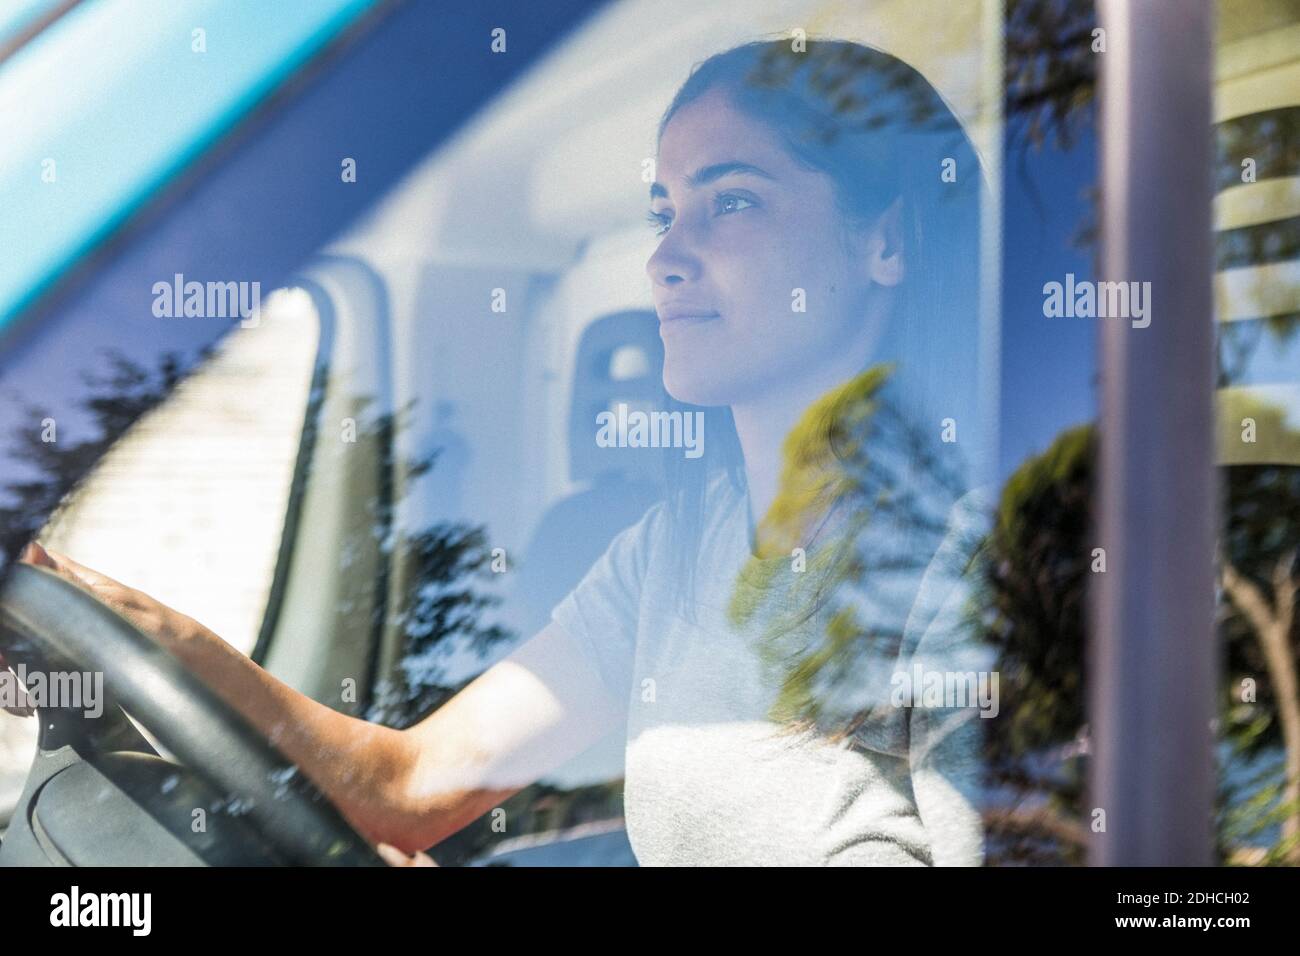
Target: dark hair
[(879, 129)]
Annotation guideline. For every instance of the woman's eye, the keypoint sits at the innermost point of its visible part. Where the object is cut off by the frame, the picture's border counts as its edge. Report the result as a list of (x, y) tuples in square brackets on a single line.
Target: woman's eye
[(731, 203), (659, 221), (728, 203)]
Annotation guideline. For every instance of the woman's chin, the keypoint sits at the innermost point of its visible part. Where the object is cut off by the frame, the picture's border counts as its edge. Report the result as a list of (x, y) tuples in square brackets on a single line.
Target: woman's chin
[(693, 386)]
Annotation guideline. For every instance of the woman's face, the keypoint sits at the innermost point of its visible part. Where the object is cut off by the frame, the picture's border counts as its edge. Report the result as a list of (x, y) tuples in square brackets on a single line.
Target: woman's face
[(744, 227)]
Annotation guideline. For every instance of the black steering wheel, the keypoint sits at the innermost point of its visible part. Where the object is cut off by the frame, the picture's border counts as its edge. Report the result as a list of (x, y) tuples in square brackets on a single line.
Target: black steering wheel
[(45, 617)]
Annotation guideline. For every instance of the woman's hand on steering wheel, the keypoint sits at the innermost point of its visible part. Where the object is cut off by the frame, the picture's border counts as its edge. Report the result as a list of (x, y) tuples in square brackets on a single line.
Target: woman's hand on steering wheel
[(151, 617)]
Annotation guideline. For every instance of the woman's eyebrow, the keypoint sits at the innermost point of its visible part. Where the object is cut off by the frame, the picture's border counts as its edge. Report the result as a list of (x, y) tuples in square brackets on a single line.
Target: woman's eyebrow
[(707, 174)]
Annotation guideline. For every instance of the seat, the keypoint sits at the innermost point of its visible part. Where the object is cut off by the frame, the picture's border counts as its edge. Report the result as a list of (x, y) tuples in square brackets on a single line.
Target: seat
[(620, 359)]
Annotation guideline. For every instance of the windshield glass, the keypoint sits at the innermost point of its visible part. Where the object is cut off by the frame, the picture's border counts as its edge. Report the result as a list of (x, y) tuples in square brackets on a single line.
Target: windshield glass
[(756, 362)]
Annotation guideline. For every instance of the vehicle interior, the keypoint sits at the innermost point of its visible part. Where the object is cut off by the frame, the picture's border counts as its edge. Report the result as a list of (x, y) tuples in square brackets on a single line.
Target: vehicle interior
[(405, 426)]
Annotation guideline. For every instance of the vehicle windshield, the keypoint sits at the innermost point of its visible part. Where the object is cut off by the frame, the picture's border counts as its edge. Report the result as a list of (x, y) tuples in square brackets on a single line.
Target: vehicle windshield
[(772, 382)]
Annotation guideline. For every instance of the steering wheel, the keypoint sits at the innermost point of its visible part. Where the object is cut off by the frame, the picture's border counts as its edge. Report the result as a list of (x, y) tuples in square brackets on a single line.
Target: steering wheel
[(281, 805)]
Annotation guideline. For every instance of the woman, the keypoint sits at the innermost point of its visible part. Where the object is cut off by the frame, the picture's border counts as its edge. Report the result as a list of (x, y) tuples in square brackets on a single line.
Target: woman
[(811, 228)]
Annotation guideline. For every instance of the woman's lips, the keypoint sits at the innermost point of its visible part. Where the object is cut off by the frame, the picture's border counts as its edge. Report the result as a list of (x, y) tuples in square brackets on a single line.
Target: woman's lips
[(683, 322), (683, 314)]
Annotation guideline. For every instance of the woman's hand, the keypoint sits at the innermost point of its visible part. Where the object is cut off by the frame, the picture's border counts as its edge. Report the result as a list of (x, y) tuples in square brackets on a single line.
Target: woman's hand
[(395, 857), (152, 618)]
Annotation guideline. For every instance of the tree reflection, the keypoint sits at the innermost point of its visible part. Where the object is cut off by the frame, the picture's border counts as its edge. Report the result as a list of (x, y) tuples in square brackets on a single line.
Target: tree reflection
[(441, 606), (115, 400), (868, 496), (1037, 572), (1035, 575)]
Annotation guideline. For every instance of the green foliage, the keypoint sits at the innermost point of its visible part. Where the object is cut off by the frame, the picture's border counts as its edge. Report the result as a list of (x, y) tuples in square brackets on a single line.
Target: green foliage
[(1037, 574), (851, 465)]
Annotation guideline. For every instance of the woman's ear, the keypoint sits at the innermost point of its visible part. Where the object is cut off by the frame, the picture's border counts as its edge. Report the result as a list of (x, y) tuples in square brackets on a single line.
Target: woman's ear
[(883, 248)]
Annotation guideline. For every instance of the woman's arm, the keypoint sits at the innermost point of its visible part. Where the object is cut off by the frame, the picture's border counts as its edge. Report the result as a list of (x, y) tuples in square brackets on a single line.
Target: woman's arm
[(519, 719), (409, 788)]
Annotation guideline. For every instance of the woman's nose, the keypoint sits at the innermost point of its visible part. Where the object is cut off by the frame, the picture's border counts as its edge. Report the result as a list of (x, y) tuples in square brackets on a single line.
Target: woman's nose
[(675, 260)]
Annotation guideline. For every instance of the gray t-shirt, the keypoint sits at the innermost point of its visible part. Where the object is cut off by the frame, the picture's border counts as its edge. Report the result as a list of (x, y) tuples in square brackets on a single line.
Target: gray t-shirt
[(710, 778)]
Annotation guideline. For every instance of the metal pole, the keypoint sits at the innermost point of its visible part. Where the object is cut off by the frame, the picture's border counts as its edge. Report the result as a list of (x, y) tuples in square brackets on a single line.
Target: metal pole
[(1153, 653)]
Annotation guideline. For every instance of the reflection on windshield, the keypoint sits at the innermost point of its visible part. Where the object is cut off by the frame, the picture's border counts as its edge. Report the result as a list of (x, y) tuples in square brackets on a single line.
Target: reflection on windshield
[(750, 462)]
